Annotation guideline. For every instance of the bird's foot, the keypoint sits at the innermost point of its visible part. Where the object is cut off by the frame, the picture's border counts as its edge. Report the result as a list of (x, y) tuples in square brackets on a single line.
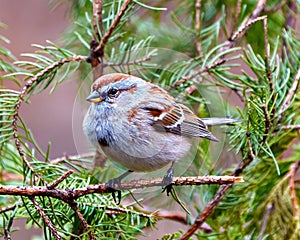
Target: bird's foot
[(166, 183), (111, 186)]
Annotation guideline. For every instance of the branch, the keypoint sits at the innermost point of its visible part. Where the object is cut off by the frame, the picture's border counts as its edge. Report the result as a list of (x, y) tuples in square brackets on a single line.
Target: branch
[(180, 218), (228, 44), (242, 30), (97, 19), (268, 69), (211, 205), (83, 221), (275, 8), (200, 71), (251, 153), (45, 218), (95, 59), (100, 48), (71, 158), (292, 174), (135, 62), (206, 212), (9, 208), (198, 26), (290, 22), (59, 180), (236, 16), (289, 96), (267, 122), (69, 195), (181, 181), (287, 127), (22, 95), (259, 8)]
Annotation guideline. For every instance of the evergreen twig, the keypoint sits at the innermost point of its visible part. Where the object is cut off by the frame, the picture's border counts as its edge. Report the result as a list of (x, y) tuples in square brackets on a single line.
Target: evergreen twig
[(45, 218), (83, 221), (22, 94), (100, 48), (8, 208), (59, 180)]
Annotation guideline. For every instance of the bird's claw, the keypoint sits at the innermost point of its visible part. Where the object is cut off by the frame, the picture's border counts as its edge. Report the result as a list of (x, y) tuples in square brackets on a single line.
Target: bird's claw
[(110, 185), (168, 188), (166, 183)]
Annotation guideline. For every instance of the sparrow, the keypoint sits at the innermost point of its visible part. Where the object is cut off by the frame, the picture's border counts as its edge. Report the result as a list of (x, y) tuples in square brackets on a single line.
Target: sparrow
[(140, 125)]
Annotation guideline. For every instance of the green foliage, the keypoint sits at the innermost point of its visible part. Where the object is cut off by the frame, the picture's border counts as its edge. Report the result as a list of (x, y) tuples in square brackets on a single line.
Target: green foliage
[(6, 58), (156, 41)]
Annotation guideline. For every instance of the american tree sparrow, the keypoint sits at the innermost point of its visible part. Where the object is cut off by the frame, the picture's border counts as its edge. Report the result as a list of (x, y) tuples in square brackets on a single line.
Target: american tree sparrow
[(139, 125)]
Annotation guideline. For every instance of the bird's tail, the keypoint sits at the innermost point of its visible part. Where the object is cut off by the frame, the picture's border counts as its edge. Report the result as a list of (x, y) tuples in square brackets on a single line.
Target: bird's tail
[(219, 121)]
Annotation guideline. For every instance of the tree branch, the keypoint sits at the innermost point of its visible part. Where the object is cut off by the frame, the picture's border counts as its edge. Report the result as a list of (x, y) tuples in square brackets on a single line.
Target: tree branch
[(100, 48), (200, 71), (267, 122), (97, 19), (180, 218), (21, 97), (236, 16), (96, 59), (59, 180), (268, 69), (9, 208), (69, 195), (198, 26), (211, 205), (206, 212), (289, 96), (228, 44), (275, 8), (287, 127), (293, 194), (45, 218), (254, 17), (71, 158), (83, 221), (134, 62)]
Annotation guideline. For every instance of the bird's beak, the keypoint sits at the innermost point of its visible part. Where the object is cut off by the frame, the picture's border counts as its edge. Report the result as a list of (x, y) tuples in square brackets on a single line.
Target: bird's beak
[(94, 97)]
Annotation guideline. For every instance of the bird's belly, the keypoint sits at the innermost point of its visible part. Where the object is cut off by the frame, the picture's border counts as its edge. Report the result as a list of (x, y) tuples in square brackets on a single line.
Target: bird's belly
[(145, 157)]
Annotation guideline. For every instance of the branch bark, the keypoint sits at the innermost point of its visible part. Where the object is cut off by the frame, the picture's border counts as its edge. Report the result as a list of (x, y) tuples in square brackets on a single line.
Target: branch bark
[(294, 168), (100, 48), (198, 26), (97, 19), (46, 219), (289, 96), (70, 195)]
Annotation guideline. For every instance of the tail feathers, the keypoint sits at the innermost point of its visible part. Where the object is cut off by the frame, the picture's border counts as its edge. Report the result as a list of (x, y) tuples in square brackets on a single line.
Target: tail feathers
[(218, 121)]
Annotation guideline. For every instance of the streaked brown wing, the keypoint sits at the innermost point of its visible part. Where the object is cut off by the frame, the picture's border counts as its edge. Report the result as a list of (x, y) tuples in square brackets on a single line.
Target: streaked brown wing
[(178, 119), (193, 126)]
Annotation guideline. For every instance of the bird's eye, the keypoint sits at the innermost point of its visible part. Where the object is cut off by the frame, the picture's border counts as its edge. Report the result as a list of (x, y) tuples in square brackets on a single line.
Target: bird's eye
[(113, 92)]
